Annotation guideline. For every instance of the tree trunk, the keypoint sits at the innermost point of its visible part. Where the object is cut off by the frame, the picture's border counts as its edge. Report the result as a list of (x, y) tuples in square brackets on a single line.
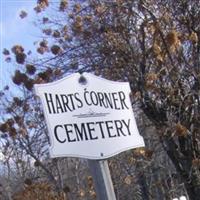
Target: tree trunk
[(144, 187), (193, 186), (183, 164)]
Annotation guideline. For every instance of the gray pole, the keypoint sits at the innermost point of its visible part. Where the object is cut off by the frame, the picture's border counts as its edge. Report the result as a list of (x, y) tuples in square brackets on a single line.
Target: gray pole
[(102, 179)]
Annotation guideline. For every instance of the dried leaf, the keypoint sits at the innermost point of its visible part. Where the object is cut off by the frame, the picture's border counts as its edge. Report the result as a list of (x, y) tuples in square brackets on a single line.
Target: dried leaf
[(181, 130), (193, 37), (55, 49), (81, 193), (23, 14), (63, 5), (6, 52), (128, 180)]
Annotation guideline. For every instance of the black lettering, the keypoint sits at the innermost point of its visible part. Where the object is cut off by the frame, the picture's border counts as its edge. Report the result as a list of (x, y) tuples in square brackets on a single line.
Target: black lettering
[(94, 98), (56, 134), (72, 102), (80, 105), (108, 100), (109, 127), (58, 104), (65, 102), (68, 132), (50, 103), (101, 99), (86, 100), (90, 130), (119, 126), (101, 128), (122, 98), (127, 126), (115, 100), (80, 133)]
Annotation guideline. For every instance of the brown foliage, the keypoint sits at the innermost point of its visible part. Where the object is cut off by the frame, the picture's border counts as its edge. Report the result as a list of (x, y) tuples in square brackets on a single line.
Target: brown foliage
[(23, 14), (55, 49), (39, 191), (19, 77), (63, 5), (181, 130), (6, 52), (30, 69)]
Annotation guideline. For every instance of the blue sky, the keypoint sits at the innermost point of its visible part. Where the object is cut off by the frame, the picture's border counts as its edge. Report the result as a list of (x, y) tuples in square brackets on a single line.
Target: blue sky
[(14, 30)]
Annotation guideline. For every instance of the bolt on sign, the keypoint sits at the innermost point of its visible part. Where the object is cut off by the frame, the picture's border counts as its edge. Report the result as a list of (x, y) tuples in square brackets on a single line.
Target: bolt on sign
[(89, 117)]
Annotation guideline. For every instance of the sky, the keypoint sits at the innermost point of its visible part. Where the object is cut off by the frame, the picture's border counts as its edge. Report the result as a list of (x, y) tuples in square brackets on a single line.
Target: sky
[(14, 30)]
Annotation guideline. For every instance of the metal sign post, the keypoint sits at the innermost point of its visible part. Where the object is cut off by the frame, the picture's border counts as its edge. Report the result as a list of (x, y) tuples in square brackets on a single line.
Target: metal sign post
[(102, 179)]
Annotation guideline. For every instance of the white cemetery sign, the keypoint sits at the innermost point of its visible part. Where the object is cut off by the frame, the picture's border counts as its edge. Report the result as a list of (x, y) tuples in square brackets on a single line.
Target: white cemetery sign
[(92, 119)]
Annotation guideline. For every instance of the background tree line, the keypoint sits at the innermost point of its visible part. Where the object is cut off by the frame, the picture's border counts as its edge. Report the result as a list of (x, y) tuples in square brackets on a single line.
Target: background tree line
[(155, 46)]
